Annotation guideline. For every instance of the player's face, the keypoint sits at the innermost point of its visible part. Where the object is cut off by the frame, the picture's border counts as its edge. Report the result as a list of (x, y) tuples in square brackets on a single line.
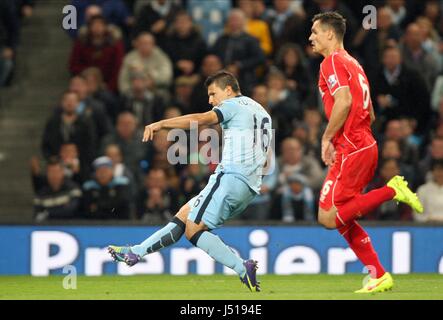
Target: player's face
[(318, 37), (217, 94)]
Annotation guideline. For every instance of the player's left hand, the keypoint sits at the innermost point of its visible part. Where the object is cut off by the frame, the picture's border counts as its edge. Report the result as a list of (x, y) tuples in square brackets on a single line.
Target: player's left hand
[(150, 130), (327, 152)]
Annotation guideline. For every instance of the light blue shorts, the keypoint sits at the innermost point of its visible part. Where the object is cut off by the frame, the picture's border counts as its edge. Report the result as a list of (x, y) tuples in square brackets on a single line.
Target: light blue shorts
[(224, 197)]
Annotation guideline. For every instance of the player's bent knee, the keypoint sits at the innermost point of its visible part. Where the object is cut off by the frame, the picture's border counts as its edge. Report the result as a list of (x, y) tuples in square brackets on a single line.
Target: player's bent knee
[(327, 219), (193, 231)]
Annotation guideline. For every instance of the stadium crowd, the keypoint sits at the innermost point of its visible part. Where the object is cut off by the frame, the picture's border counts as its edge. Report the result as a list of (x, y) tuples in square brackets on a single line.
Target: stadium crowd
[(136, 61)]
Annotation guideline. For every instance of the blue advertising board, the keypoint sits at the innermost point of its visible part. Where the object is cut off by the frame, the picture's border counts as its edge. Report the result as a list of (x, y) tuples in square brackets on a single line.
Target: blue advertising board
[(47, 250)]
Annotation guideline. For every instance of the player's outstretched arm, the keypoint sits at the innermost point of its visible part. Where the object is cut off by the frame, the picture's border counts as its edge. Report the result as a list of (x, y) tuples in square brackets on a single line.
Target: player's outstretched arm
[(182, 122)]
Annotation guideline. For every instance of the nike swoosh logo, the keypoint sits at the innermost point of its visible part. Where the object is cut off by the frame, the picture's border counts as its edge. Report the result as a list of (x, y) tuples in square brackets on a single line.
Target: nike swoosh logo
[(376, 285)]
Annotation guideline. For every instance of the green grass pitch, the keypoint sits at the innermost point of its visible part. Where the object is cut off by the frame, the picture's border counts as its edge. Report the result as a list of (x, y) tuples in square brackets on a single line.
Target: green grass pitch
[(217, 287)]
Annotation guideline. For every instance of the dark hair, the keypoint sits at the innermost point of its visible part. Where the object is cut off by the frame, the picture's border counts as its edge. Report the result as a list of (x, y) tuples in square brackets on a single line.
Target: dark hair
[(333, 20), (54, 161), (223, 79), (384, 161), (437, 164)]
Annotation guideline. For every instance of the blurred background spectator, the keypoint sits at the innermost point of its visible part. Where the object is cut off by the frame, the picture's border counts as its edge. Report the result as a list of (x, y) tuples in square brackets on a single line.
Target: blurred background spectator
[(240, 53), (184, 45), (149, 59), (431, 195), (59, 197), (67, 126), (106, 196), (101, 47), (389, 210)]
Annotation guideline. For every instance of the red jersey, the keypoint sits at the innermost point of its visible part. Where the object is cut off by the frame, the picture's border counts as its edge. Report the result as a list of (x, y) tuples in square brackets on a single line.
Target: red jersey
[(341, 70)]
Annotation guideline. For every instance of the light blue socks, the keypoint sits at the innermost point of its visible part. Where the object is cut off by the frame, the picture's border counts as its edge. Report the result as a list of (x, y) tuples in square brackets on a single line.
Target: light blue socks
[(219, 251), (169, 234)]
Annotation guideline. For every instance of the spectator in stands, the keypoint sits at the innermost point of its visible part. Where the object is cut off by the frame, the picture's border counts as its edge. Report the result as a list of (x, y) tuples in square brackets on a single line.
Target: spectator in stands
[(199, 99), (91, 108), (399, 91), (100, 47), (68, 126), (240, 53), (408, 126), (128, 138), (9, 35), (394, 131), (260, 207), (300, 130), (431, 195), (59, 198), (297, 199), (142, 101), (97, 90), (192, 180), (416, 57), (437, 117), (185, 45), (106, 196), (161, 145), (293, 160), (284, 104), (113, 152), (316, 126), (255, 27), (155, 17), (389, 210), (150, 59), (398, 11), (371, 42), (157, 201), (391, 150), (25, 8), (69, 159), (183, 89), (114, 11), (437, 94), (210, 16), (260, 93), (434, 153), (431, 39), (90, 12), (262, 11), (291, 61), (286, 24)]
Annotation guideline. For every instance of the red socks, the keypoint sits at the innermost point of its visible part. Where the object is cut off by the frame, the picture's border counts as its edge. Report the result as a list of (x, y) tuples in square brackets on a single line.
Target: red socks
[(362, 204), (360, 243)]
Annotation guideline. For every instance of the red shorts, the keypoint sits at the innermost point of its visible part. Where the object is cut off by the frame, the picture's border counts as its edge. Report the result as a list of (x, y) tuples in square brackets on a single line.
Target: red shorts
[(349, 175)]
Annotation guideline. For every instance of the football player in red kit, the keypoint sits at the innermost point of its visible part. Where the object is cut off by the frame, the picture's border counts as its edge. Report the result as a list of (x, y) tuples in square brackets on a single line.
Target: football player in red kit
[(349, 149)]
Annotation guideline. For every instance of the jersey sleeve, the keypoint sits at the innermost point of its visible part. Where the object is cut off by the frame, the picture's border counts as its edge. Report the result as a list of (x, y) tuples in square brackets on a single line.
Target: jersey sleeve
[(335, 74), (225, 111)]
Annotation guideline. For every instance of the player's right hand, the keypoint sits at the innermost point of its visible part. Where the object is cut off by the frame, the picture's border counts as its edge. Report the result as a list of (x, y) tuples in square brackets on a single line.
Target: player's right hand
[(327, 152), (150, 130)]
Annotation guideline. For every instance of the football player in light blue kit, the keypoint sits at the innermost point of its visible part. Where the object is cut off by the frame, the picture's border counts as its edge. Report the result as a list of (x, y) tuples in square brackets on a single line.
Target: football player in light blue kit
[(247, 133)]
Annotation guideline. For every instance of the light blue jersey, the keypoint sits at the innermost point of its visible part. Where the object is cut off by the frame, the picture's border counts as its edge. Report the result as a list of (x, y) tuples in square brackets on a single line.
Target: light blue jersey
[(237, 180), (247, 135)]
